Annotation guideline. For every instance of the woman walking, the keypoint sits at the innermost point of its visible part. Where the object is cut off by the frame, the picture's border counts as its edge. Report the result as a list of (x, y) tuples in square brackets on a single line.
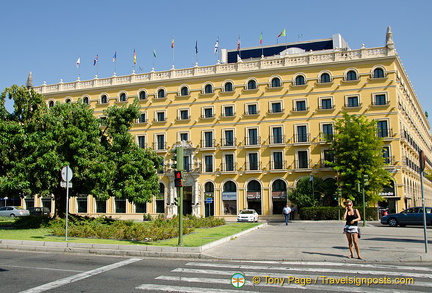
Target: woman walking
[(352, 217)]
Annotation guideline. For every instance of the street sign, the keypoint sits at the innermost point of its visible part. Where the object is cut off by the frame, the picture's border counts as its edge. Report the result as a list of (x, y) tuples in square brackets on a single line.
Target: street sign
[(209, 200), (66, 173), (63, 184)]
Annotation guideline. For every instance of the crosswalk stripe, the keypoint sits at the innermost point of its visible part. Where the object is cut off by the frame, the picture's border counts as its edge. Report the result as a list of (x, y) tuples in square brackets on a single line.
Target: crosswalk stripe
[(290, 286), (314, 270), (166, 288)]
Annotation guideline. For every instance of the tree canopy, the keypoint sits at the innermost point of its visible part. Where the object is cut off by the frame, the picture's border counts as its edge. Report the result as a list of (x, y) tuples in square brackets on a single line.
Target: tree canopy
[(313, 191), (36, 142), (358, 151)]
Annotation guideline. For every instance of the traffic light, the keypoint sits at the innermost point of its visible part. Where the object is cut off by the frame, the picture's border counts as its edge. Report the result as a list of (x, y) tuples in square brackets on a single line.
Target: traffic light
[(178, 179), (365, 180), (176, 201), (174, 158), (177, 158)]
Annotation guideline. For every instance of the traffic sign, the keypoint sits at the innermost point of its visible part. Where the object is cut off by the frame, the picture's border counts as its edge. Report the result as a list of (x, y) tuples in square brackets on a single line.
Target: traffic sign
[(63, 184), (66, 173), (209, 200)]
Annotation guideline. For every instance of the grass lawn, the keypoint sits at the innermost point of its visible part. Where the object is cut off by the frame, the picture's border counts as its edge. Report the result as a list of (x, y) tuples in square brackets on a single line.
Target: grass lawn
[(198, 237)]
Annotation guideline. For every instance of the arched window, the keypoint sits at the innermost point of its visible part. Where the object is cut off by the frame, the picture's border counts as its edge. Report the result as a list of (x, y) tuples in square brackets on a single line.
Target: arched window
[(279, 185), (378, 73), (254, 186), (104, 99), (300, 80), (230, 186), (209, 187), (251, 85), (228, 87), (184, 91), (86, 101), (325, 77), (276, 82), (68, 100), (122, 97), (142, 95), (208, 89), (51, 104), (161, 94), (351, 75)]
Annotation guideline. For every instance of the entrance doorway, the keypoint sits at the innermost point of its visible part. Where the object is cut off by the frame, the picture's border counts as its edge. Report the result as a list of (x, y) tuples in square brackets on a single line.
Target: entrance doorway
[(187, 200)]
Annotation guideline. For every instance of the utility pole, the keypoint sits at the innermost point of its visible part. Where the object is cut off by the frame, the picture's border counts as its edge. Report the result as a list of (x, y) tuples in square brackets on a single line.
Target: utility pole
[(178, 183), (365, 182)]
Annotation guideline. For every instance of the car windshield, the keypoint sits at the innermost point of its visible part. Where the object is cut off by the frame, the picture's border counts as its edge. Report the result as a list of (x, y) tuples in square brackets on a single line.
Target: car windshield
[(247, 212)]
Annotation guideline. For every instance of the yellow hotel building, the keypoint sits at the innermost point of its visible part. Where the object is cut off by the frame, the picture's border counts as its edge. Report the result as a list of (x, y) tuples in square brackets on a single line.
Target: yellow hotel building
[(256, 122)]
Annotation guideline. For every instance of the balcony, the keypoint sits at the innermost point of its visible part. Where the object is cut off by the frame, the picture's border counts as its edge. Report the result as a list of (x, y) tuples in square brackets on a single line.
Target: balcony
[(252, 141), (278, 166), (302, 138), (228, 168), (277, 140), (208, 144), (228, 143)]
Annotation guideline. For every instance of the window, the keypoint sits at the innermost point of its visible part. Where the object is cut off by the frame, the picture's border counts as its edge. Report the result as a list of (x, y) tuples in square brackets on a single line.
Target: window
[(86, 101), (142, 118), (383, 130), (277, 136), (104, 99), (326, 103), (229, 198), (186, 163), (303, 161), (325, 78), (228, 111), (208, 113), (380, 99), (123, 97), (141, 208), (253, 161), (228, 87), (229, 138), (141, 141), (302, 135), (276, 107), (208, 139), (378, 73), (51, 104), (300, 80), (351, 75), (184, 136), (251, 109), (208, 163), (252, 138), (329, 157), (160, 116), (68, 100), (184, 91), (229, 162), (82, 204), (327, 130), (278, 160), (160, 142), (353, 101), (142, 95), (276, 82), (208, 89), (300, 105), (386, 155), (161, 94), (184, 114), (120, 206), (100, 206), (251, 85)]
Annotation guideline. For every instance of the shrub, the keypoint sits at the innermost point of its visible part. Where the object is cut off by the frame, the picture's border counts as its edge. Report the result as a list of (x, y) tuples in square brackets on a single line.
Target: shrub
[(331, 213)]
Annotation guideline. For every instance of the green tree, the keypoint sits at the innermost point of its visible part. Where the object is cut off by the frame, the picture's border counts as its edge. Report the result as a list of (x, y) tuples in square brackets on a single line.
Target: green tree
[(357, 152), (37, 142)]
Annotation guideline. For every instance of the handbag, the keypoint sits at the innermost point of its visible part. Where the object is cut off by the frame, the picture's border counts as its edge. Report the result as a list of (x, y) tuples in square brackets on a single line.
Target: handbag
[(359, 234)]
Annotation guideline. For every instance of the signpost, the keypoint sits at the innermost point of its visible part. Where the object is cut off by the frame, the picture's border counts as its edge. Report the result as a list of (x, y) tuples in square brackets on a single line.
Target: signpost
[(66, 174)]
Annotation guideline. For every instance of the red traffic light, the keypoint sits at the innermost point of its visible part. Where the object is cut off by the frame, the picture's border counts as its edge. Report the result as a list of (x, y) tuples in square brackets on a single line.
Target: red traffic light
[(178, 179)]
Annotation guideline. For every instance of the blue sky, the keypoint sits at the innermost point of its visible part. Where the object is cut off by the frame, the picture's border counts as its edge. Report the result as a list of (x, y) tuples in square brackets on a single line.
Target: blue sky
[(48, 36)]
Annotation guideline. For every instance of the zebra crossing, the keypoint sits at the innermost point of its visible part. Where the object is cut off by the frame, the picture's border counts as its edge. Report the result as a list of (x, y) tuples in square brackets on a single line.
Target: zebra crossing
[(274, 276)]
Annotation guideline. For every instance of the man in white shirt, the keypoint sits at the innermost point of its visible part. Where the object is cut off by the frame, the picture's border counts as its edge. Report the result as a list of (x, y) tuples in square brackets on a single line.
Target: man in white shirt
[(286, 212)]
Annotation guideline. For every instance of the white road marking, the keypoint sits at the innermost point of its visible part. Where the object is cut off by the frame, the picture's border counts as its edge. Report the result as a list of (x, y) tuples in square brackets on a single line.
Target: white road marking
[(40, 268), (80, 276), (164, 288)]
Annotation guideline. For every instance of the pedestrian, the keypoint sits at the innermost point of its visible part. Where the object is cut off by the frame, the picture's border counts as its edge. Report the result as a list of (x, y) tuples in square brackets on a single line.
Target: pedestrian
[(286, 213), (351, 229)]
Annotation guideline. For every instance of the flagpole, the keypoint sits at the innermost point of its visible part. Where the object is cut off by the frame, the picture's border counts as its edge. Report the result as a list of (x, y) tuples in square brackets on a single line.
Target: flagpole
[(196, 53), (154, 57), (172, 47)]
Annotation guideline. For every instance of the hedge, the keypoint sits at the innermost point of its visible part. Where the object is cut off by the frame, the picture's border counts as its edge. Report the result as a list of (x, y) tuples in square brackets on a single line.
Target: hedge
[(331, 213)]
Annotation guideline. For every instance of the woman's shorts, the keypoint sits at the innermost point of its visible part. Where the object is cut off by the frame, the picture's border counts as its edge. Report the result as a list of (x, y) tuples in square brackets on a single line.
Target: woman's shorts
[(350, 229)]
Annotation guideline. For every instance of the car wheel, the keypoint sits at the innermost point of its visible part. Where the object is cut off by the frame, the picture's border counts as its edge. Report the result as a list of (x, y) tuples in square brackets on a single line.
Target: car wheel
[(392, 222), (12, 215)]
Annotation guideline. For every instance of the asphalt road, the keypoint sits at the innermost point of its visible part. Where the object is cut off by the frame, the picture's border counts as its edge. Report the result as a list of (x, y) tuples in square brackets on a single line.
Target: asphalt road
[(58, 272)]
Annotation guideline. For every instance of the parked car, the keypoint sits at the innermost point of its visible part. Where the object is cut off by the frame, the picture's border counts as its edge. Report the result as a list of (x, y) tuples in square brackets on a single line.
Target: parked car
[(248, 215), (411, 216), (39, 211), (11, 211)]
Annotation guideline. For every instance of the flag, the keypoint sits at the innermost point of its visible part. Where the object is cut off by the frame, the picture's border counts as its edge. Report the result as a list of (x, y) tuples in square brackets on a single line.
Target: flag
[(95, 61), (78, 62), (238, 44), (283, 33), (310, 178), (261, 38), (115, 57), (196, 47), (134, 57), (154, 53), (216, 47), (172, 43), (238, 58)]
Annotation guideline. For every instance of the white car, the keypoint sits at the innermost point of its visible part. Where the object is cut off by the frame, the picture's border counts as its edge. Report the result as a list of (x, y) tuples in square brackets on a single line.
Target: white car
[(11, 211), (248, 215)]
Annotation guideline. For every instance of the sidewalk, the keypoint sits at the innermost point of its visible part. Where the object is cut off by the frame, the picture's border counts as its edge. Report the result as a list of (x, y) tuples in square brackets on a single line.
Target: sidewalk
[(299, 241)]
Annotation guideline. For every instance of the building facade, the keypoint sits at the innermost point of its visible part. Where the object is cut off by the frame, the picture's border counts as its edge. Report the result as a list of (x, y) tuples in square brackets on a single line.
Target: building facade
[(256, 123)]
